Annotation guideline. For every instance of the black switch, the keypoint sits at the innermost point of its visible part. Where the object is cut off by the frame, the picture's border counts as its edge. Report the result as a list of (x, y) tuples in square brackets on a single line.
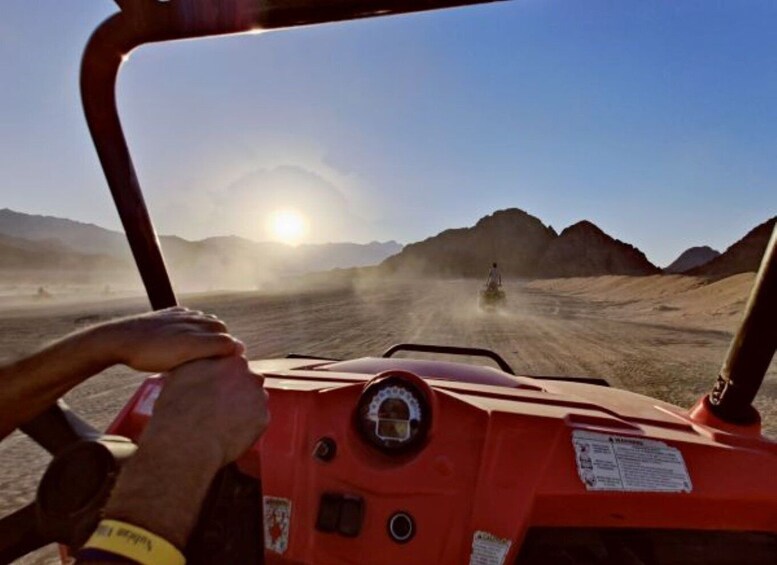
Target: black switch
[(329, 510), (351, 515)]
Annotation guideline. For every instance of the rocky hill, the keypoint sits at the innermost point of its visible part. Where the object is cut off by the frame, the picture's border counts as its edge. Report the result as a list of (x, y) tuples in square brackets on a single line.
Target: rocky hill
[(512, 237), (691, 258), (584, 250), (523, 246), (744, 256)]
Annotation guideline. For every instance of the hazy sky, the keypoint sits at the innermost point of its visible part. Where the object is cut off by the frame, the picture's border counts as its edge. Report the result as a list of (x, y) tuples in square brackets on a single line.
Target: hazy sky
[(655, 120)]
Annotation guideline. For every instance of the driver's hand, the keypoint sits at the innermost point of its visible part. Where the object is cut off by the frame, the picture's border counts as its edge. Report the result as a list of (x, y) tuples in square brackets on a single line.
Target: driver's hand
[(220, 399), (208, 414), (160, 341)]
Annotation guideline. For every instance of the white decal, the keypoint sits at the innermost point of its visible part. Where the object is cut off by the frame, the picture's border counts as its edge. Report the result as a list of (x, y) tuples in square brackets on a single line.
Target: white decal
[(277, 522), (487, 549), (145, 405), (607, 462)]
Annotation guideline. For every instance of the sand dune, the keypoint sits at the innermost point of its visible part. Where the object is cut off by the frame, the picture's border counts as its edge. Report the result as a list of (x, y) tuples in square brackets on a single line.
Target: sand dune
[(676, 299)]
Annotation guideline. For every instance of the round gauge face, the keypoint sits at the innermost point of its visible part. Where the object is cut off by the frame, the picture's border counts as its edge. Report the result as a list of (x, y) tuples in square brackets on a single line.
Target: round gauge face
[(393, 415)]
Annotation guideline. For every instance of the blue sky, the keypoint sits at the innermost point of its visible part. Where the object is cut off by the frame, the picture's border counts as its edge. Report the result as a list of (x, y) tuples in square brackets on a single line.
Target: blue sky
[(655, 120)]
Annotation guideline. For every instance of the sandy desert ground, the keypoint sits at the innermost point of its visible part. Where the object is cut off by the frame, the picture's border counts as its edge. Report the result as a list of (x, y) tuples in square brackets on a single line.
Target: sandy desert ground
[(662, 336)]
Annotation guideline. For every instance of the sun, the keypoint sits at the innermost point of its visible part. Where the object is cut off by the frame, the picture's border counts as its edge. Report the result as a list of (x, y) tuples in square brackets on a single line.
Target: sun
[(288, 226)]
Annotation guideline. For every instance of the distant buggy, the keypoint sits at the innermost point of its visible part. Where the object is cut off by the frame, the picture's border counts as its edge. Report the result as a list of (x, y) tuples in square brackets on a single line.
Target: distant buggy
[(492, 296)]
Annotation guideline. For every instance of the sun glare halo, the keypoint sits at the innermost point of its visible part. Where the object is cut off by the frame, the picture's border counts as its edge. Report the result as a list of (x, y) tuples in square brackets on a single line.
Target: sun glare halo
[(288, 226)]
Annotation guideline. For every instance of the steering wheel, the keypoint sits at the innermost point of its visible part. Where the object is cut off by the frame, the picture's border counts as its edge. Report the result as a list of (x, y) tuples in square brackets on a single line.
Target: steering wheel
[(80, 477)]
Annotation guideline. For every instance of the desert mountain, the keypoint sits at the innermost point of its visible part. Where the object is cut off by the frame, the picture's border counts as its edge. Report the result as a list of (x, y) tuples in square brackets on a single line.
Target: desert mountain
[(30, 242), (691, 258), (584, 250), (523, 246), (47, 261), (745, 255), (27, 258), (512, 237), (77, 236)]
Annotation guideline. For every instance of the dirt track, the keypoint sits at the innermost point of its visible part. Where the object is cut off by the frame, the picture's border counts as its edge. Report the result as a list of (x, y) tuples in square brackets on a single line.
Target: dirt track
[(537, 332)]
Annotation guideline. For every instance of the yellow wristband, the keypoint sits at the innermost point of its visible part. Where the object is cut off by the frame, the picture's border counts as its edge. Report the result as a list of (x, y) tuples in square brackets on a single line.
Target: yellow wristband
[(134, 543)]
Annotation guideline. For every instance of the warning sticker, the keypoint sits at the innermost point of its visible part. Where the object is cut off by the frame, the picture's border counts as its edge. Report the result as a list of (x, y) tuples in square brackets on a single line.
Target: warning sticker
[(487, 549), (277, 521), (607, 462)]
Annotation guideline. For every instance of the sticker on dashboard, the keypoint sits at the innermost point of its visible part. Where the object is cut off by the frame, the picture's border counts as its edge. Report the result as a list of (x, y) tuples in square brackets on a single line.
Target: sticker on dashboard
[(277, 522), (620, 463), (488, 549)]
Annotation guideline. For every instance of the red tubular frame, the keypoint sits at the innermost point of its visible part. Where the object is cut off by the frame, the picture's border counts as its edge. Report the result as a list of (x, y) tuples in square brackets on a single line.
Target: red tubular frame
[(104, 54)]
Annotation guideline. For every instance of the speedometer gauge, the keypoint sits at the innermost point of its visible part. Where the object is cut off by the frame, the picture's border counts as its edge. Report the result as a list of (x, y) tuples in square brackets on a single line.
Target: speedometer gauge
[(393, 414)]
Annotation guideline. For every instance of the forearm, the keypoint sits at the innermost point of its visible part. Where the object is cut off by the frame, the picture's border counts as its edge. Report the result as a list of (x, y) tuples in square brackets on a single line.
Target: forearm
[(30, 385), (166, 498), (162, 488), (154, 342)]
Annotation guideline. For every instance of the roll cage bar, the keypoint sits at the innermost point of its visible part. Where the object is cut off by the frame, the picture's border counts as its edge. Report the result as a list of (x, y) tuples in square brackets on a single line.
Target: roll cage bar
[(147, 21)]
